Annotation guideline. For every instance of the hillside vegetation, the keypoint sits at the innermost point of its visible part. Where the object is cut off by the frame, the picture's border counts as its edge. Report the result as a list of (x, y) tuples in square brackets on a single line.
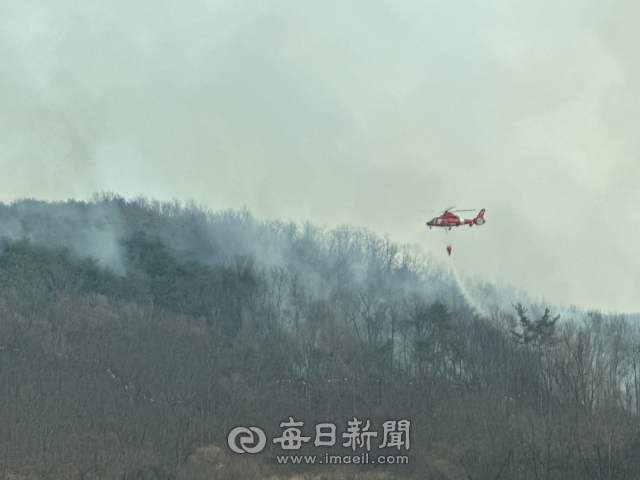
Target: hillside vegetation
[(134, 335)]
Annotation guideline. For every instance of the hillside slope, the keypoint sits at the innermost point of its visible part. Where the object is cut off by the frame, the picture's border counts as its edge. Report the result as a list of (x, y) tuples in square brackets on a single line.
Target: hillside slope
[(134, 335)]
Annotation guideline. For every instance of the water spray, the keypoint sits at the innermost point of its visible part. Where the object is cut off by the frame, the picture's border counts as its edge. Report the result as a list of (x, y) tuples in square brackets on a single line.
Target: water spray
[(465, 293), (463, 289)]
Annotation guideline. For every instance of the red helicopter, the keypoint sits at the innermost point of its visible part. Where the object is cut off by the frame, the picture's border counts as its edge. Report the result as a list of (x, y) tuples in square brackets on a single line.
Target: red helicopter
[(449, 219)]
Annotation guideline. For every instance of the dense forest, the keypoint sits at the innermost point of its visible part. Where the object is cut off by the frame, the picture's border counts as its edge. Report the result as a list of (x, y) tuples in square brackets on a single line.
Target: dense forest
[(136, 334)]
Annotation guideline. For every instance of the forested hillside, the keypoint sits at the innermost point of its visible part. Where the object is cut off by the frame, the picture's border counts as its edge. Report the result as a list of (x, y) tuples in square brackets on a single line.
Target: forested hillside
[(134, 335)]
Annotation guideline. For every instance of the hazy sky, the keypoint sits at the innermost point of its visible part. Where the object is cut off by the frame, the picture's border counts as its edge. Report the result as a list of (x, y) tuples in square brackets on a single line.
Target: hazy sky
[(358, 112)]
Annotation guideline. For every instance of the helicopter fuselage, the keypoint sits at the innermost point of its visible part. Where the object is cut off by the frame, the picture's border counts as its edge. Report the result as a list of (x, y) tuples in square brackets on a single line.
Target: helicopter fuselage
[(448, 219)]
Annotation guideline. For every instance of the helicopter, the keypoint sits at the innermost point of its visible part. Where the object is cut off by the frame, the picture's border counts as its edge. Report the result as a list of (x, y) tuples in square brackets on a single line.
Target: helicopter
[(449, 219)]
